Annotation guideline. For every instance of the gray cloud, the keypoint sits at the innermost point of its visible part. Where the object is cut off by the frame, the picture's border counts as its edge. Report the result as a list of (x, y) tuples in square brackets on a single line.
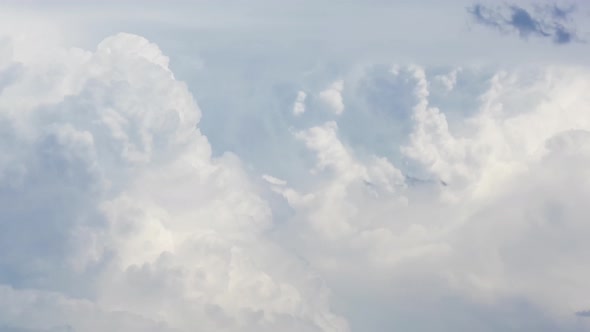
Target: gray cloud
[(583, 313), (552, 22), (562, 13)]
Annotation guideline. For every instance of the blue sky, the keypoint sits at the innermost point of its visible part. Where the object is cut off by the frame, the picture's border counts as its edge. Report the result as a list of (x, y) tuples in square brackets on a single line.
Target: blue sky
[(294, 166)]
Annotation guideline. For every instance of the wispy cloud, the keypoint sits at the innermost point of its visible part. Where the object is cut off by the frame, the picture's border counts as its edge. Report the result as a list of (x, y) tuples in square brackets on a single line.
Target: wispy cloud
[(553, 22)]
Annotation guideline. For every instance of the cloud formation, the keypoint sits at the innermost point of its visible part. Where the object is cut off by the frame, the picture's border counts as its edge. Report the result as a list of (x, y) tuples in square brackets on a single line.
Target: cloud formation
[(552, 22), (488, 236), (116, 212), (115, 216)]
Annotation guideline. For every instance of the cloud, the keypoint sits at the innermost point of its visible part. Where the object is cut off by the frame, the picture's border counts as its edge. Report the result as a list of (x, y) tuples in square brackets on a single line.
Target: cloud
[(39, 311), (449, 80), (561, 13), (115, 215), (487, 237), (299, 106), (273, 180), (546, 22), (332, 97)]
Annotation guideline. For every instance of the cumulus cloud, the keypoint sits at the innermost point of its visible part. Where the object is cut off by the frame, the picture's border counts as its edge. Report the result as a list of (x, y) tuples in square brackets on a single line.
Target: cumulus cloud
[(546, 22), (115, 216), (332, 97), (498, 230)]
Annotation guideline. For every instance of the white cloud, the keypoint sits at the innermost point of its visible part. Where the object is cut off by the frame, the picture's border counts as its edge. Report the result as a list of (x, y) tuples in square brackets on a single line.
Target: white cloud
[(507, 225), (273, 180), (117, 213), (299, 106), (332, 97), (133, 213)]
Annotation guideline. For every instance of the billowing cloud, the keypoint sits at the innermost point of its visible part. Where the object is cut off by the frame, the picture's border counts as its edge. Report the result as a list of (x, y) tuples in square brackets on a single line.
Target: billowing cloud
[(495, 232), (115, 216), (546, 22), (442, 199)]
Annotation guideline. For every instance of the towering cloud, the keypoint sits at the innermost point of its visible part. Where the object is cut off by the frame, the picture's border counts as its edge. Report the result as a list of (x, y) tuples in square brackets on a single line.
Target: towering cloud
[(443, 199), (116, 217)]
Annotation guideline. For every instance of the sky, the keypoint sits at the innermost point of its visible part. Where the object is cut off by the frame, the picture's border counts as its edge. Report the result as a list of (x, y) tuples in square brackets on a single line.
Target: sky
[(329, 166)]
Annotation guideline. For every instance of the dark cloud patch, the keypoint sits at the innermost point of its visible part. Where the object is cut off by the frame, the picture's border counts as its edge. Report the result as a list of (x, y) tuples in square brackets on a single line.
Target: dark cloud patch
[(584, 313), (562, 35), (525, 23), (553, 22)]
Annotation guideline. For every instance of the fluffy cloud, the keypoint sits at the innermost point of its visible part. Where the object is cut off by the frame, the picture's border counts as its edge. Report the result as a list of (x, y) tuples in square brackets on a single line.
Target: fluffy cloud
[(332, 97), (506, 224), (115, 215)]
